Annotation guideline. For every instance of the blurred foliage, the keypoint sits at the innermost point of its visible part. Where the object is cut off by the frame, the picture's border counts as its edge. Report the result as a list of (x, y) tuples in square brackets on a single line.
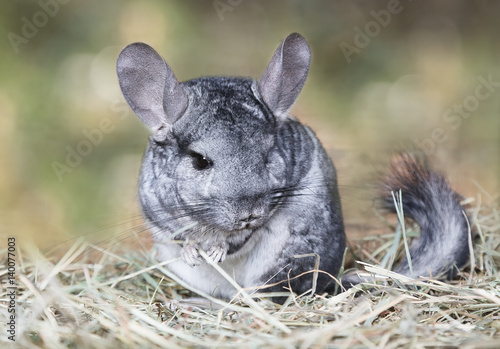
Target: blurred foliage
[(60, 82)]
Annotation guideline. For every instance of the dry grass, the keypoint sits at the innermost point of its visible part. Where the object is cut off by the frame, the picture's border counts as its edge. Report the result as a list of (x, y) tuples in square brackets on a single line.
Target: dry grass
[(123, 299)]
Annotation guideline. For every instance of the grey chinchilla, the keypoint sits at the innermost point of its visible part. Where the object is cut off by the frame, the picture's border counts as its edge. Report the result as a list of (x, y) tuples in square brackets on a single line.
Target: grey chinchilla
[(230, 172)]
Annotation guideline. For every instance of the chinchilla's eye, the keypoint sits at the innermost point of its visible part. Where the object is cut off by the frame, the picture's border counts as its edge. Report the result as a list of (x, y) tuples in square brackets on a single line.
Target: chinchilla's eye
[(200, 162)]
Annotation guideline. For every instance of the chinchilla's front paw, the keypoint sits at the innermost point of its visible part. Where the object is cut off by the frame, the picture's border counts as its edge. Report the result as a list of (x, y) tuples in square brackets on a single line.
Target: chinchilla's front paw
[(217, 253), (190, 254)]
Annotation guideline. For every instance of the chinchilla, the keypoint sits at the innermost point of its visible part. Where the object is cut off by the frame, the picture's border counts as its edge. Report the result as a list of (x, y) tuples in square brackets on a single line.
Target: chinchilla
[(229, 171)]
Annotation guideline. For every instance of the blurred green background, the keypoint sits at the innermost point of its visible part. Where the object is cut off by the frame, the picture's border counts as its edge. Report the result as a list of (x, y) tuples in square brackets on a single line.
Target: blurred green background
[(385, 75)]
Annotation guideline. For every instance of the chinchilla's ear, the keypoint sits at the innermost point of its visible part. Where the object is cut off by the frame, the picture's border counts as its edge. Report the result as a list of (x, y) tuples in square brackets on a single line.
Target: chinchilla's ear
[(149, 86), (285, 75)]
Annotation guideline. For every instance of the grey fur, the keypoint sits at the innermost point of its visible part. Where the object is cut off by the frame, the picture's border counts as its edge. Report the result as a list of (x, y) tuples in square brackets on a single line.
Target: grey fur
[(443, 246), (254, 185)]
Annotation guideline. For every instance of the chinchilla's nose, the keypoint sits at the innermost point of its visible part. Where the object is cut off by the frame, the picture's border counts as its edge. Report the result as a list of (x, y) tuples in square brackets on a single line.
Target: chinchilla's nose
[(250, 214), (249, 219)]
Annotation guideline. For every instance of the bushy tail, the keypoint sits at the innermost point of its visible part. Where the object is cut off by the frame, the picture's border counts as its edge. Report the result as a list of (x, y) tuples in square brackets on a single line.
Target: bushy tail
[(443, 246)]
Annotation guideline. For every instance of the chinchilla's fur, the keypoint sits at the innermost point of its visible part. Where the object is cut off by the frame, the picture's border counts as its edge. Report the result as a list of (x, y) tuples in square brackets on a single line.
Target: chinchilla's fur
[(443, 245), (230, 172)]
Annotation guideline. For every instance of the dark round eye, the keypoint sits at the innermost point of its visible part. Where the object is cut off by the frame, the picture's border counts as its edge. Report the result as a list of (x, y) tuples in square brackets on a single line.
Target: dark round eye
[(199, 161)]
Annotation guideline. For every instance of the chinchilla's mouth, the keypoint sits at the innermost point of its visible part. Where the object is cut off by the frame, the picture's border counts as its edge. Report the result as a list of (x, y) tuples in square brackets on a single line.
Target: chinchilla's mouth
[(253, 223), (235, 246), (249, 225)]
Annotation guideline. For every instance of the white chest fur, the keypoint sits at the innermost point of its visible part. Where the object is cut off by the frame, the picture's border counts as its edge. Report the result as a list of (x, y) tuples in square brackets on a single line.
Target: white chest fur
[(247, 266)]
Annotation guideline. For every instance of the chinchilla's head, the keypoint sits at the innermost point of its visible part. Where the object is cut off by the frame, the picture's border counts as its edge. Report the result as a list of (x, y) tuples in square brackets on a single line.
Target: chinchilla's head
[(216, 154)]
